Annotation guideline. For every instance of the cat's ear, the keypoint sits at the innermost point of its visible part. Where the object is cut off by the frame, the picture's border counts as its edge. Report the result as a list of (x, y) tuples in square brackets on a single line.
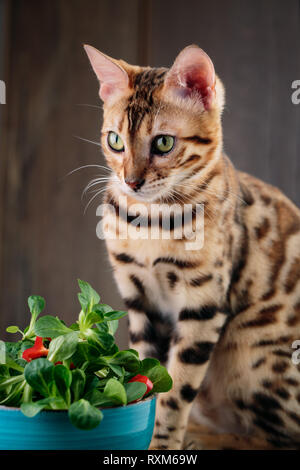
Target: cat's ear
[(193, 74), (114, 80)]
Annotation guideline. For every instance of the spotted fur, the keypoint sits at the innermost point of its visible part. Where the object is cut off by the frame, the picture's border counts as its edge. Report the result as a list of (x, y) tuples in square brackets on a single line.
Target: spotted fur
[(223, 318)]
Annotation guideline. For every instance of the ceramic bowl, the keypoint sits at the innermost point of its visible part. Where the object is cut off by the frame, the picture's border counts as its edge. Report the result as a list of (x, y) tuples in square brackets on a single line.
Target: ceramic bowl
[(122, 428)]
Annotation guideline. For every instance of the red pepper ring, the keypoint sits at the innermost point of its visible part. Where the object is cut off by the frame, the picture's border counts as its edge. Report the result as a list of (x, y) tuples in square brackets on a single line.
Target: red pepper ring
[(36, 351), (39, 350)]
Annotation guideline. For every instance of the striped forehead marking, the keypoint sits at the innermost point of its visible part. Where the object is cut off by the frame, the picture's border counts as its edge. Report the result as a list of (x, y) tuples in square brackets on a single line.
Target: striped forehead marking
[(141, 101)]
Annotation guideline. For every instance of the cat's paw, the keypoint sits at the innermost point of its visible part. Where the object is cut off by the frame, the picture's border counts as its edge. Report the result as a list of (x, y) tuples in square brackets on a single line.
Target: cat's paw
[(193, 445), (156, 444), (193, 442), (159, 448)]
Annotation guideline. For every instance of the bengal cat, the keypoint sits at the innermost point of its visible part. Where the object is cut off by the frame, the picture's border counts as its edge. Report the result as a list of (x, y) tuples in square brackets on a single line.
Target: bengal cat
[(222, 317)]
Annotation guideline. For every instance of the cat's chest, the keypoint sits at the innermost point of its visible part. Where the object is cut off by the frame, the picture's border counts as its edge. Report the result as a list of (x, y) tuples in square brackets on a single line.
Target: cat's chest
[(159, 270), (167, 297)]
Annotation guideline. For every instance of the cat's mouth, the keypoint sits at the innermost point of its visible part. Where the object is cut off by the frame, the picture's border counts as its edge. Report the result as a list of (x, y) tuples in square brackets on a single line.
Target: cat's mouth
[(146, 193)]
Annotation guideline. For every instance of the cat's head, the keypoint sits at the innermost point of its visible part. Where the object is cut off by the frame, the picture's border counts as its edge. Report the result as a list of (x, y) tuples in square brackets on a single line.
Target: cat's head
[(161, 127)]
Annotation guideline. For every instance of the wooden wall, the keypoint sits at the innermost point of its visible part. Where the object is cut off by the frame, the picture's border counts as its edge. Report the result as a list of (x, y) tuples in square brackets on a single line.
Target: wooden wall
[(46, 241)]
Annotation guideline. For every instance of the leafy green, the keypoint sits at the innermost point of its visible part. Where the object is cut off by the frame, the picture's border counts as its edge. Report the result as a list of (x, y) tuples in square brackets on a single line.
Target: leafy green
[(85, 354), (11, 364), (50, 327), (99, 399), (32, 408), (63, 380), (148, 364), (83, 370), (112, 326), (84, 415), (36, 305), (116, 392), (39, 374), (158, 374), (127, 359), (11, 381), (63, 347), (135, 391), (14, 394), (104, 308), (12, 329), (88, 297), (100, 339), (118, 370), (77, 383), (114, 315), (12, 350)]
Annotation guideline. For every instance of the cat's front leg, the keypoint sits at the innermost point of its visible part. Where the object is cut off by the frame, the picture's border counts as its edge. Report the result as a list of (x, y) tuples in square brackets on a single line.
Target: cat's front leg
[(149, 333), (198, 332)]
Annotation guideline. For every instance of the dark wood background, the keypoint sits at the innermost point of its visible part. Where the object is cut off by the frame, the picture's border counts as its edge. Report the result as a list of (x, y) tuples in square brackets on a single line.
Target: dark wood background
[(46, 241)]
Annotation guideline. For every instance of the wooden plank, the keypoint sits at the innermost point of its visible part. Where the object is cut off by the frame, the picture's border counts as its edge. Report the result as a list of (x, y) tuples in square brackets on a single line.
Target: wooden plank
[(256, 50), (144, 32), (4, 75), (48, 242)]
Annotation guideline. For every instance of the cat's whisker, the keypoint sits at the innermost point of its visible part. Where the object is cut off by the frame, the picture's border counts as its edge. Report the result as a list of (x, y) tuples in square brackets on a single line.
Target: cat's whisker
[(93, 191), (87, 140), (92, 183), (99, 180), (92, 199), (103, 178), (90, 105), (88, 166)]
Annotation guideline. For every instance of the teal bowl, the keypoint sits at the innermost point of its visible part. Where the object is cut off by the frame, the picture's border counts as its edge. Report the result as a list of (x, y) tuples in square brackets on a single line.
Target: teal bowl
[(123, 428)]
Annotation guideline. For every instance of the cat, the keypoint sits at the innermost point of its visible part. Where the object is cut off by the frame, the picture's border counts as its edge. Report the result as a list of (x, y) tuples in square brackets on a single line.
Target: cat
[(223, 317)]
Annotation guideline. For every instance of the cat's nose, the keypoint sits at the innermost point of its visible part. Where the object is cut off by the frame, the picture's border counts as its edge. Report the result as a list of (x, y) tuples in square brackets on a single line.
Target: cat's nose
[(134, 184)]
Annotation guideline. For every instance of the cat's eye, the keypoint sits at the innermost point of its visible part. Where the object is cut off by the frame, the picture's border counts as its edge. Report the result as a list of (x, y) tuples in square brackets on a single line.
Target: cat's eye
[(162, 144), (115, 142)]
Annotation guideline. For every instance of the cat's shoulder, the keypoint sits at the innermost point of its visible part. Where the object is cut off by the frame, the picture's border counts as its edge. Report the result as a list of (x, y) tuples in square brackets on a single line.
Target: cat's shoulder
[(264, 193)]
